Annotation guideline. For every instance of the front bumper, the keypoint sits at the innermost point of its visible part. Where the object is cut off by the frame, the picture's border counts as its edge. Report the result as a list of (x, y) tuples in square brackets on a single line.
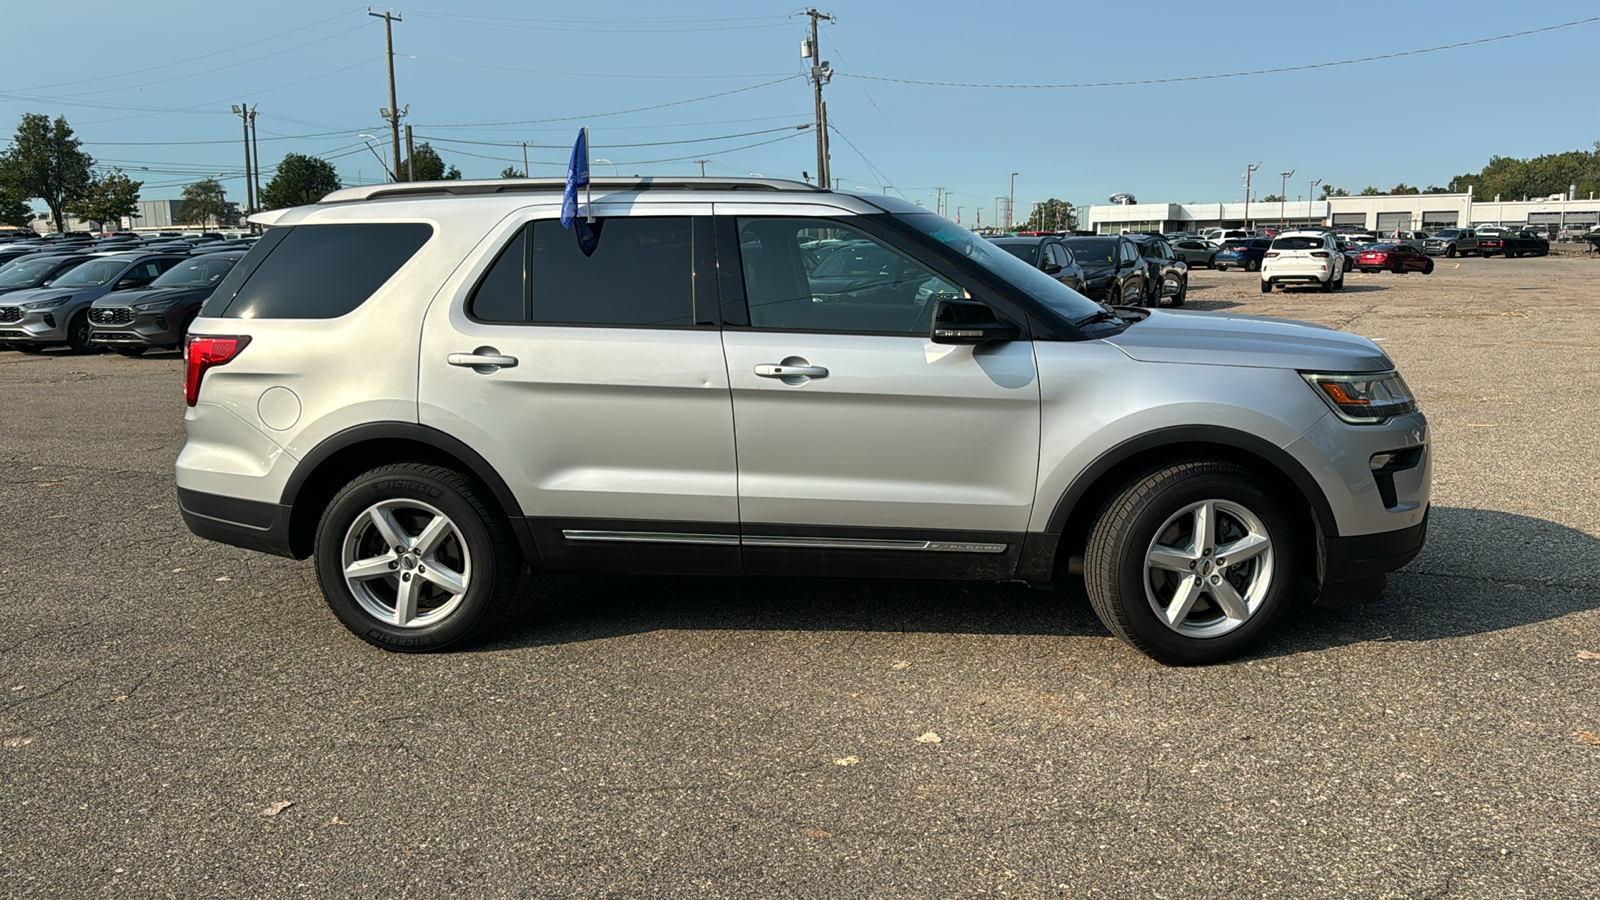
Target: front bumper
[(133, 327), (1366, 556), (34, 326)]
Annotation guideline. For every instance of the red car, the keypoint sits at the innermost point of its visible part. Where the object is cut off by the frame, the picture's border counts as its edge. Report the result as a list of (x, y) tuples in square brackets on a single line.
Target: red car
[(1397, 258)]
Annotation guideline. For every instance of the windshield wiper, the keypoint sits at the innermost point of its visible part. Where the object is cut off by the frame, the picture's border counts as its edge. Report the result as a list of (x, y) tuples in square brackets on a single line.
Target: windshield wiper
[(1104, 315)]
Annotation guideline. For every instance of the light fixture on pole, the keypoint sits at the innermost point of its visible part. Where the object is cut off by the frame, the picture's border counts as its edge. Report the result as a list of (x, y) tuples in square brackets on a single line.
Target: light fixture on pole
[(1283, 195), (1311, 195), (611, 164), (1011, 203)]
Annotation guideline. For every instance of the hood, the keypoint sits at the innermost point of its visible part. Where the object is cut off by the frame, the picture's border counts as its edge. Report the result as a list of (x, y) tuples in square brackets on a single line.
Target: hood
[(1205, 338), (28, 295), (131, 296)]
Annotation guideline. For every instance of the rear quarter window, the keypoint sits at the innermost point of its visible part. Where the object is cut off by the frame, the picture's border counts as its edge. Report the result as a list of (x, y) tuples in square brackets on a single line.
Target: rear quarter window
[(317, 271), (1298, 243)]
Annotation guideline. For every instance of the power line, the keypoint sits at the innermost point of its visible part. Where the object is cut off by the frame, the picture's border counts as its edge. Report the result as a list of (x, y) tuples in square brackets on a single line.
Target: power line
[(621, 112), (657, 28), (721, 137), (205, 107), (1275, 71), (884, 179), (606, 21), (651, 75), (281, 137)]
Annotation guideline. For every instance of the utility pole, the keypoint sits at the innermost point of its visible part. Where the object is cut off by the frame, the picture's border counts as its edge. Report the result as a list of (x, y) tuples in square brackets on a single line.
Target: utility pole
[(524, 159), (1249, 171), (938, 200), (702, 163), (821, 74), (411, 158), (1311, 195), (1283, 195), (886, 189), (1011, 203), (393, 113), (255, 150), (243, 112)]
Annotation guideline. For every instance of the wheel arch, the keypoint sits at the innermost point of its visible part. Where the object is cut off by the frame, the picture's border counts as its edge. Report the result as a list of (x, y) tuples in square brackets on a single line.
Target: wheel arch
[(1309, 512), (345, 454)]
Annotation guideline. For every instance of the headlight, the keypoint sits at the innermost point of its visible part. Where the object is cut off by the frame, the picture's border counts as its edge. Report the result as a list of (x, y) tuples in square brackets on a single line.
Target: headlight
[(46, 304), (1364, 399), (157, 304)]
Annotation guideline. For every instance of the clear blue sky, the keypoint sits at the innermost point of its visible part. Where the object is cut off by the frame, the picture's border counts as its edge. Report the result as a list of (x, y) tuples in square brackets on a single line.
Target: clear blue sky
[(317, 67)]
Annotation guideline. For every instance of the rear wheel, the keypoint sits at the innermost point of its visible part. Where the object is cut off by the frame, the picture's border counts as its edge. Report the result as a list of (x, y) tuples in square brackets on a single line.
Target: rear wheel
[(1191, 563), (1253, 265), (1266, 286), (412, 557), (1327, 286), (1219, 268), (1339, 284)]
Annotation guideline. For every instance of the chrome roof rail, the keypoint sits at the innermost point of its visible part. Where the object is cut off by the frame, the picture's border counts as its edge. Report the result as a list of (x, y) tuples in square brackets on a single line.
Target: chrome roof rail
[(422, 189)]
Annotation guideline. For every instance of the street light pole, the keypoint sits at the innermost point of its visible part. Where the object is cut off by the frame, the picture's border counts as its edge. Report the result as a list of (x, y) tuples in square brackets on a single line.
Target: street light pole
[(1249, 171), (368, 139), (1311, 195), (1283, 194), (1011, 203)]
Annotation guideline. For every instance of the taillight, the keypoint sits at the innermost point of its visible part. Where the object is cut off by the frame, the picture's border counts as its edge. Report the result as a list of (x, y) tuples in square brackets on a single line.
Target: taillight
[(1320, 254), (1271, 253), (204, 351)]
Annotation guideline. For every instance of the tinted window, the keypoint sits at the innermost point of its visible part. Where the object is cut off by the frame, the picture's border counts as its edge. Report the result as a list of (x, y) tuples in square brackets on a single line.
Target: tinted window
[(28, 272), (866, 287), (641, 273), (325, 271), (1298, 243), (92, 274), (1028, 253), (200, 272), (1094, 252), (501, 295)]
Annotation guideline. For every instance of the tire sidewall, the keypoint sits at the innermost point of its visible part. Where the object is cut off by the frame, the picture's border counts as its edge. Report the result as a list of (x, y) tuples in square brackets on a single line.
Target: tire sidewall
[(384, 484), (1159, 641)]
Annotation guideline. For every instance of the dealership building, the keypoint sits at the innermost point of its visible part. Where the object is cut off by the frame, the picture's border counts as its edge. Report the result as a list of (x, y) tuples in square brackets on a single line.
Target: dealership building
[(1381, 214)]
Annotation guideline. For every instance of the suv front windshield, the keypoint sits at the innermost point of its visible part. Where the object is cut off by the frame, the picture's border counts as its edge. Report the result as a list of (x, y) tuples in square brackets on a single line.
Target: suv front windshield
[(1060, 299), (92, 274), (196, 273), (26, 272)]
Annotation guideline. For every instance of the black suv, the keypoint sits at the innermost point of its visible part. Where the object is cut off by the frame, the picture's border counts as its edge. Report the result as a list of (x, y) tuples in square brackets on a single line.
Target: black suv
[(1166, 269), (1114, 271), (1049, 255), (132, 321)]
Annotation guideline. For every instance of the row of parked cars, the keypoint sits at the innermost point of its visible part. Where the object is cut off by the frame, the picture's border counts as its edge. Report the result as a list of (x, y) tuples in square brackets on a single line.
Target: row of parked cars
[(128, 294), (1116, 269)]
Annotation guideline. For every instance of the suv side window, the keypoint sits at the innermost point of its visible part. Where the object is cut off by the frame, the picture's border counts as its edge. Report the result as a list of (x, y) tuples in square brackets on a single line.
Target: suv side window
[(1130, 253), (866, 286), (326, 271), (640, 274)]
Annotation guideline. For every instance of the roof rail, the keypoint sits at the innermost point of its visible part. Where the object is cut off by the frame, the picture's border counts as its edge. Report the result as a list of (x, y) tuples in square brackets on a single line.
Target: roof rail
[(459, 188)]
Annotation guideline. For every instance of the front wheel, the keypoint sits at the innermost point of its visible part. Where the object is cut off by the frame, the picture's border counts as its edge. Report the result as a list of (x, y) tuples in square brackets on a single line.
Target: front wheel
[(1450, 252), (1183, 292), (1192, 563), (1211, 262), (412, 557), (1428, 269), (78, 334)]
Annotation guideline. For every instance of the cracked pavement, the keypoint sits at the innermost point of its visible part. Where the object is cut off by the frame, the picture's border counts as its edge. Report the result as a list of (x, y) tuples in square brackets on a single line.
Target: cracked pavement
[(626, 736)]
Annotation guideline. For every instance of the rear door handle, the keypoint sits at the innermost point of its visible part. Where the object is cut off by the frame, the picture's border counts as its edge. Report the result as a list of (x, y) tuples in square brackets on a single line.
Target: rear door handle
[(779, 370), (481, 359)]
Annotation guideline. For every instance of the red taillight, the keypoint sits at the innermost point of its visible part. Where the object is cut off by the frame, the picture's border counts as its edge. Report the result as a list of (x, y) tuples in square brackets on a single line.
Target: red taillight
[(1271, 253), (1320, 254), (201, 353)]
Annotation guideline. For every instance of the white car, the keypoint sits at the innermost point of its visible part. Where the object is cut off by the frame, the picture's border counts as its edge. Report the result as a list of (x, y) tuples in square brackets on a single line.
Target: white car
[(1303, 257)]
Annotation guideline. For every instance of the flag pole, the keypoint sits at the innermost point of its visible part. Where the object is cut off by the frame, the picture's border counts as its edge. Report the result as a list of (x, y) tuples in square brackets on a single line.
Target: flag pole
[(588, 202)]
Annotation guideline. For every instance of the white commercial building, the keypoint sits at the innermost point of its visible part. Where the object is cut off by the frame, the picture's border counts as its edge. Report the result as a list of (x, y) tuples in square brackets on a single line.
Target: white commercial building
[(1381, 214)]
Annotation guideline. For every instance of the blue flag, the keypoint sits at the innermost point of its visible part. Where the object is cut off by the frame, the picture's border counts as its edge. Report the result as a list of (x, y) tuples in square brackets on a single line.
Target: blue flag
[(577, 176)]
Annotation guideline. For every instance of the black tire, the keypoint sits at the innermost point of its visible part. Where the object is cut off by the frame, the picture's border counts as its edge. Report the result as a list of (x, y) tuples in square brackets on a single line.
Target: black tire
[(1183, 292), (1339, 285), (130, 351), (28, 348), (1450, 252), (1428, 269), (480, 544), (1253, 265), (1124, 590), (78, 334), (1219, 268), (1211, 262), (1399, 267), (1266, 286), (1152, 294)]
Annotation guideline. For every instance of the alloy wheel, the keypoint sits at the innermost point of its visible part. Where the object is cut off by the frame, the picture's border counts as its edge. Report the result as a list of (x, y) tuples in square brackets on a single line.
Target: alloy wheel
[(1208, 569), (406, 563)]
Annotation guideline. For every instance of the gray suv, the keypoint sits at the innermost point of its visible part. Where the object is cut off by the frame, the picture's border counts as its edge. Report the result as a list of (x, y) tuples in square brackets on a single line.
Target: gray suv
[(430, 388), (59, 314)]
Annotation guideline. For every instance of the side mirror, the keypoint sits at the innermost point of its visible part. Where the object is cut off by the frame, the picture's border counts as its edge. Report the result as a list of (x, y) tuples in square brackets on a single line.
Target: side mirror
[(968, 322), (1050, 268), (125, 284)]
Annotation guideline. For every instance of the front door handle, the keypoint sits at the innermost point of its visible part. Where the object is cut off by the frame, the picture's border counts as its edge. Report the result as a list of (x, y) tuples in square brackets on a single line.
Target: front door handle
[(484, 360), (787, 370)]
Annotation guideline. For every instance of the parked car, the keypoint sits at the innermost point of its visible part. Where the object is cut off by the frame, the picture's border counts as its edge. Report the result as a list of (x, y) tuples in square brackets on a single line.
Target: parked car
[(1396, 258), (1219, 236), (1243, 254), (1303, 257), (1348, 250), (132, 321), (1452, 242), (1196, 252), (59, 314), (1166, 269), (1512, 244), (1113, 270), (36, 270), (1049, 255), (374, 387)]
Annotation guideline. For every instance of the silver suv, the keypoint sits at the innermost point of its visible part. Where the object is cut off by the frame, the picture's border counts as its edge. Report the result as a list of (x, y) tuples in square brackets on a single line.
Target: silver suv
[(432, 387)]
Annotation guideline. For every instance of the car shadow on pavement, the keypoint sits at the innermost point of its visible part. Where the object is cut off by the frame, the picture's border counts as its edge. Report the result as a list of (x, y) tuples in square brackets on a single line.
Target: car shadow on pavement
[(1210, 305), (1482, 571)]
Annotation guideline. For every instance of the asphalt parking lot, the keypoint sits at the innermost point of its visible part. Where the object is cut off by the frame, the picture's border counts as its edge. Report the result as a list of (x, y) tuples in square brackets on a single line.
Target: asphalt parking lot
[(186, 719)]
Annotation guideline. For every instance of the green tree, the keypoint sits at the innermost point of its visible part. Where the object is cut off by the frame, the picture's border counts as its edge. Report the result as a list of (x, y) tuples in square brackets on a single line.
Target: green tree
[(1329, 190), (45, 161), (204, 202), (429, 166), (1053, 215), (299, 180), (512, 172), (1272, 198), (109, 198), (14, 211), (1403, 188), (1435, 189), (1370, 191)]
